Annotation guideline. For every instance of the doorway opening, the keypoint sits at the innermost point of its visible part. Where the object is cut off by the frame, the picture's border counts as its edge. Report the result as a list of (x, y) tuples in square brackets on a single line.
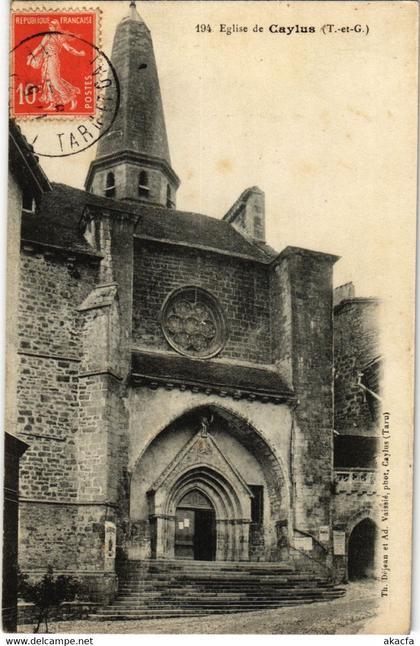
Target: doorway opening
[(361, 551), (195, 529)]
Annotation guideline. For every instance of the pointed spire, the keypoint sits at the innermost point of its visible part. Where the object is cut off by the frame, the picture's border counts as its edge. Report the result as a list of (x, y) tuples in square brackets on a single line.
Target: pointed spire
[(136, 142)]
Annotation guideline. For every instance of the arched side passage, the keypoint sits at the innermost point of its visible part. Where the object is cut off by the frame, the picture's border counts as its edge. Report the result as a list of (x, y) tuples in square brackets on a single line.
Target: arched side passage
[(361, 547), (366, 511)]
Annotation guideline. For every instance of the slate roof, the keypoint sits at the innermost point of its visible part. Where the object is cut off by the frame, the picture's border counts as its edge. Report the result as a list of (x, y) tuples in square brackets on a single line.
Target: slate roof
[(239, 380), (196, 229), (24, 164), (57, 223)]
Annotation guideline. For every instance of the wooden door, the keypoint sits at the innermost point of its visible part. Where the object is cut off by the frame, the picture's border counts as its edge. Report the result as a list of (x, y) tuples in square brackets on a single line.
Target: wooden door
[(184, 533)]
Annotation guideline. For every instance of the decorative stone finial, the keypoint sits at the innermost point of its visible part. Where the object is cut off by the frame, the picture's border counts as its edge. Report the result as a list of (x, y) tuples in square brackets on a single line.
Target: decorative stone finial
[(133, 10)]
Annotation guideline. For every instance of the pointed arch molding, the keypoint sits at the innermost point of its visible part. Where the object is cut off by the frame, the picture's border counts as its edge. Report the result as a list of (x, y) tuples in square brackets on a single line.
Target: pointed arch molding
[(201, 466), (366, 513)]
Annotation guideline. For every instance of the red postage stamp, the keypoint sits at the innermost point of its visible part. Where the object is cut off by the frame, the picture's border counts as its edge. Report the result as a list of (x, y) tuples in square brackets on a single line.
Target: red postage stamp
[(53, 58)]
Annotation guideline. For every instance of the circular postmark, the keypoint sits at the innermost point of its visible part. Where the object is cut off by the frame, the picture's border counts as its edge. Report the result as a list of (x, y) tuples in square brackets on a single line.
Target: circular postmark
[(62, 109)]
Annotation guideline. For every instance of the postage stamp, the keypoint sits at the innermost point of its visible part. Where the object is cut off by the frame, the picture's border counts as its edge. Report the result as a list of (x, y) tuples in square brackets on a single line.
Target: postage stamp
[(52, 63), (64, 89)]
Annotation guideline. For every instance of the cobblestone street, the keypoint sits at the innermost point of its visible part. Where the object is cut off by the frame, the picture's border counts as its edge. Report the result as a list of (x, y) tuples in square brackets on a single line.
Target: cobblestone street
[(348, 615)]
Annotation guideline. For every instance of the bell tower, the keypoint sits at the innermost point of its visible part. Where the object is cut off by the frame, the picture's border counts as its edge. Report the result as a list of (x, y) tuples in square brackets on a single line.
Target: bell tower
[(132, 159)]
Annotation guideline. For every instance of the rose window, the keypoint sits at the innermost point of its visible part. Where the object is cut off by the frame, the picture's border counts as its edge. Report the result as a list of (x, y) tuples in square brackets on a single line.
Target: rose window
[(192, 322)]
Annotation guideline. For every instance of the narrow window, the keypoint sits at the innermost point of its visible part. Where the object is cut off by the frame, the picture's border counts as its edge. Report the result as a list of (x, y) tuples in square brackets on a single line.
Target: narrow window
[(169, 201), (110, 185), (257, 509), (28, 202), (143, 184)]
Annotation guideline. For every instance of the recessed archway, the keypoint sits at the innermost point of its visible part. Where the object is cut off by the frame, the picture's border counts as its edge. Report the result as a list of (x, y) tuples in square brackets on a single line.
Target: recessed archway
[(250, 465), (361, 550)]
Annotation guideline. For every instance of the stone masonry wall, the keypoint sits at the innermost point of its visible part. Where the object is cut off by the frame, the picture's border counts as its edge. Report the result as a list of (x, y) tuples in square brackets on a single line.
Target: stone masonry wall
[(47, 403), (356, 342), (241, 288), (51, 289), (71, 539), (102, 439), (350, 506)]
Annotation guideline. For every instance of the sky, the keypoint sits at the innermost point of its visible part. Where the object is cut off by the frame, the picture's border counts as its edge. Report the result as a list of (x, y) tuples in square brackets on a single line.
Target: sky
[(323, 123)]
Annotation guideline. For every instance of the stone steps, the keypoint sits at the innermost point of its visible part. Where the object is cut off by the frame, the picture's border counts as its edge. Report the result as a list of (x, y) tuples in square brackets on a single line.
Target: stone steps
[(254, 595), (172, 566), (223, 599), (183, 582), (217, 580), (221, 576), (246, 589), (218, 593), (222, 603), (184, 588), (213, 565)]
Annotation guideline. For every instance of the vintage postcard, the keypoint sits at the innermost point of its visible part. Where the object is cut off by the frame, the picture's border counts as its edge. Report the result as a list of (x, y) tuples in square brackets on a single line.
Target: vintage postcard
[(210, 313)]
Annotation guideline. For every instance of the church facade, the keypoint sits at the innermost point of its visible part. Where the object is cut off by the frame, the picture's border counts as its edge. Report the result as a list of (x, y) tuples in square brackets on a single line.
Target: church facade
[(179, 384)]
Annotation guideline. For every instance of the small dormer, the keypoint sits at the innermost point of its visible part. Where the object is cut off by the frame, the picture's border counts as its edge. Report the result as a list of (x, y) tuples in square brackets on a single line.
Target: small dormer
[(247, 214)]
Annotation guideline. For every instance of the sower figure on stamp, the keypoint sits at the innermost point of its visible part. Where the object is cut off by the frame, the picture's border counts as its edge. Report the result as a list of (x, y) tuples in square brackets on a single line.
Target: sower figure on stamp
[(56, 91)]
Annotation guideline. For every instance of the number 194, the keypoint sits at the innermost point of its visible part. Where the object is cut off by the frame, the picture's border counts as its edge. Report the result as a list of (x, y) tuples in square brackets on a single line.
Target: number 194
[(203, 28)]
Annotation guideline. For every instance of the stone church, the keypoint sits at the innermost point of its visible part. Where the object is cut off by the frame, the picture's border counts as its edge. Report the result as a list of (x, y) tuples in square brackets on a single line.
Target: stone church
[(187, 393)]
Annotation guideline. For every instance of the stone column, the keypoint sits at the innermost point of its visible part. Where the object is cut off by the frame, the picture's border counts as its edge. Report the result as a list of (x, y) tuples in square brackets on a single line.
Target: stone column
[(244, 540)]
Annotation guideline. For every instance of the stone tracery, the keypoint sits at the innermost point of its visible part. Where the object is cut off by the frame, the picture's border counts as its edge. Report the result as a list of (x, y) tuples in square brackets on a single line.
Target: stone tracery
[(192, 322)]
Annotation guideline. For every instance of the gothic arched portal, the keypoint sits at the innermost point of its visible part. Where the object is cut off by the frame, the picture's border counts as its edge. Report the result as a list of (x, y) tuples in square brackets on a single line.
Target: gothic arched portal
[(201, 469)]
